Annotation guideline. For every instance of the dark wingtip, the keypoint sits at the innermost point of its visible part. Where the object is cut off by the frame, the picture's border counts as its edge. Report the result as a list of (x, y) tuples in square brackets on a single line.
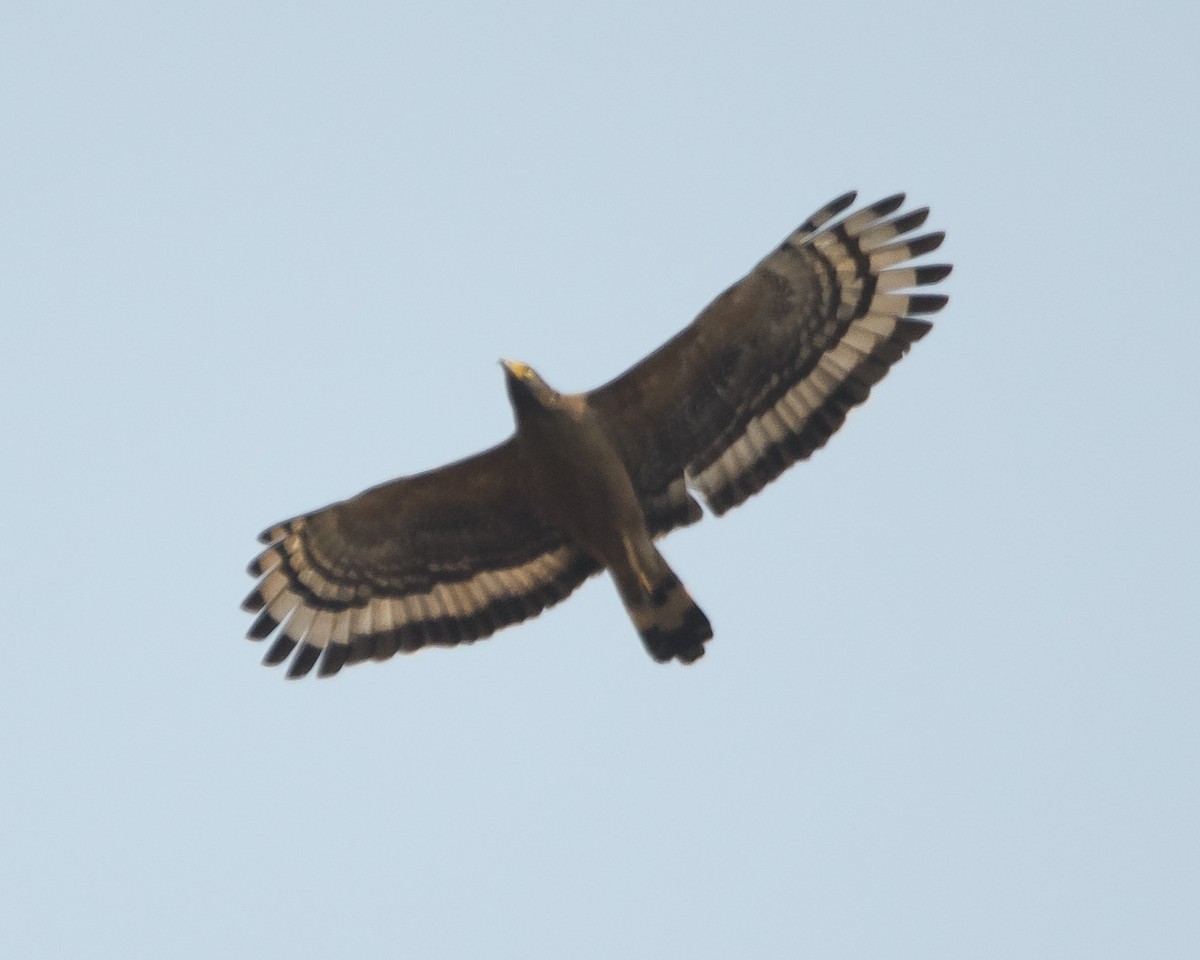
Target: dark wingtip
[(925, 244), (334, 659), (881, 208), (254, 602), (933, 273), (303, 661), (267, 560), (911, 220), (841, 203), (927, 302), (279, 651), (262, 627), (912, 330), (825, 214)]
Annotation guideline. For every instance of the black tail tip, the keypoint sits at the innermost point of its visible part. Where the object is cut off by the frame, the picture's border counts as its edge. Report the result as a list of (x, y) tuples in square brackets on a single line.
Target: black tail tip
[(684, 642)]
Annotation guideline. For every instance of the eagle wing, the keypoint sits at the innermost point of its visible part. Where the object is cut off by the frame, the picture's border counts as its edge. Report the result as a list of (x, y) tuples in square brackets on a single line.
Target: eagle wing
[(768, 371), (444, 557)]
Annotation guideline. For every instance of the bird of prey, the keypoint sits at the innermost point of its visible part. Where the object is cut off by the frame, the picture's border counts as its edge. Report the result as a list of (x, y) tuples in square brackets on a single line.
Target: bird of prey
[(587, 482)]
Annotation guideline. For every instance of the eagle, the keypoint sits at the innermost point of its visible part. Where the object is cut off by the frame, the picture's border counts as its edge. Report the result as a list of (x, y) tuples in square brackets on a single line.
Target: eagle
[(589, 481)]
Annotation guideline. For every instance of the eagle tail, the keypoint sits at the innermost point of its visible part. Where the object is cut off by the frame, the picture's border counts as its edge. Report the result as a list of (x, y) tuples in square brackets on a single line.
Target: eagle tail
[(671, 625)]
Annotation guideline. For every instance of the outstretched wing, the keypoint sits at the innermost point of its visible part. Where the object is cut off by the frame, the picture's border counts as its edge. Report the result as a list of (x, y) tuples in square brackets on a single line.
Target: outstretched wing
[(767, 372), (445, 557)]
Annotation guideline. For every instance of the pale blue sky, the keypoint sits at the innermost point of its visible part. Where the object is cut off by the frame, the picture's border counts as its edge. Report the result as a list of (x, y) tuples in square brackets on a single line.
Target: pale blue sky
[(256, 257)]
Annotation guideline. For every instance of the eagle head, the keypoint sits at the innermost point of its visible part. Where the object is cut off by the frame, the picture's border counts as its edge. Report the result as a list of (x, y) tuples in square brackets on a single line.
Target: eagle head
[(525, 387)]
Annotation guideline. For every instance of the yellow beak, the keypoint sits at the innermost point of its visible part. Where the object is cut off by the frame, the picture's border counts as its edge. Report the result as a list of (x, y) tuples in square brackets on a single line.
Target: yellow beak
[(518, 369)]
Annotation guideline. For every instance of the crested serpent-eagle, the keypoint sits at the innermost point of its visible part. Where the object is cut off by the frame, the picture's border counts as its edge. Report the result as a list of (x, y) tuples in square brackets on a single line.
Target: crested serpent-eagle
[(588, 481)]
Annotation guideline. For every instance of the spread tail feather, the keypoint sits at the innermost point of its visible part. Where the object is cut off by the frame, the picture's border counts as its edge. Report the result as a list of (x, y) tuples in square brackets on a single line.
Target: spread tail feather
[(671, 625)]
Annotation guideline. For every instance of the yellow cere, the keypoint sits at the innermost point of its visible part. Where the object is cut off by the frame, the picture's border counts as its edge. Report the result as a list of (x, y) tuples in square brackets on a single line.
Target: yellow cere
[(520, 370)]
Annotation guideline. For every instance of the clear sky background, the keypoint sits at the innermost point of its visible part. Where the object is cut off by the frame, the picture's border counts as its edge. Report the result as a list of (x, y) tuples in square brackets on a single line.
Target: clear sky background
[(258, 256)]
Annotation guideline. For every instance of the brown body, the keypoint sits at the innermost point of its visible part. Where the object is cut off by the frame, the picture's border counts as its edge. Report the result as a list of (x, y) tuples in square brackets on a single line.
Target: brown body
[(579, 480)]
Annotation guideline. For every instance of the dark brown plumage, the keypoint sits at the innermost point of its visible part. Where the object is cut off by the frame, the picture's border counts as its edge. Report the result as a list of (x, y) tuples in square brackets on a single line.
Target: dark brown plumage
[(762, 378)]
